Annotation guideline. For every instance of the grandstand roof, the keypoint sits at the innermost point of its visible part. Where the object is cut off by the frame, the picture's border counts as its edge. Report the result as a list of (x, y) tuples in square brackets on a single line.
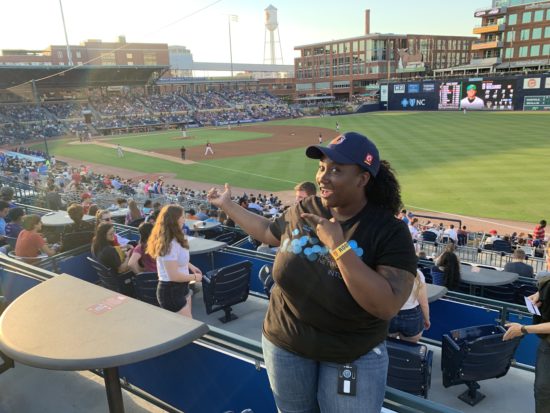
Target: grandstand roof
[(78, 76)]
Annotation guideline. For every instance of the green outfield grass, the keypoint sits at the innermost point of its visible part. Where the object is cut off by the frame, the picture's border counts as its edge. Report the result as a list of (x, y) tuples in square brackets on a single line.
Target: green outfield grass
[(480, 164)]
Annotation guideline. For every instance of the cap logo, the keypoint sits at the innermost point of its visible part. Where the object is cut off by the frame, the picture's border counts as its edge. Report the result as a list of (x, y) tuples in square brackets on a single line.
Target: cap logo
[(368, 159), (338, 140)]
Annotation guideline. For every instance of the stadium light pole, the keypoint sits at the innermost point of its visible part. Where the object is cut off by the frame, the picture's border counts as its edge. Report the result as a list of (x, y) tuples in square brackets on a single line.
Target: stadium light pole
[(69, 57), (235, 18)]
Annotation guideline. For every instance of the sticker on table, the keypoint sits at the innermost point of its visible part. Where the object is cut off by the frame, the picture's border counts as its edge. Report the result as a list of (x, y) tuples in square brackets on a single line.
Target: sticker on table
[(476, 269), (107, 304)]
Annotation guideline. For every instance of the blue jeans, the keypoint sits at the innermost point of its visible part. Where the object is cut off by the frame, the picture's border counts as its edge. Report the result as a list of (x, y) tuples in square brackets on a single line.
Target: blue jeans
[(302, 385), (542, 378)]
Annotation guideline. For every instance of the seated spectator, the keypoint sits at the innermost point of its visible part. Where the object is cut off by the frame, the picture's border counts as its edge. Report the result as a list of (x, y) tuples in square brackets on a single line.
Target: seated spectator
[(304, 189), (140, 261), (105, 250), (494, 236), (539, 231), (413, 228), (76, 213), (4, 210), (122, 203), (225, 220), (202, 215), (253, 205), (93, 210), (422, 255), (14, 226), (518, 265), (133, 212), (104, 216), (191, 214), (449, 265), (451, 233), (147, 207), (86, 202), (6, 194), (30, 243), (414, 316)]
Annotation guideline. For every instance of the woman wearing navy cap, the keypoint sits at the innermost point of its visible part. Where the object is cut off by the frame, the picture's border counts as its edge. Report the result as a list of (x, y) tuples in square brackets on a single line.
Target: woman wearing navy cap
[(344, 268)]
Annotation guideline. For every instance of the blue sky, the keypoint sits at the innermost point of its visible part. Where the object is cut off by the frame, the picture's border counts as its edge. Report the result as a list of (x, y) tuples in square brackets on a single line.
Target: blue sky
[(202, 25)]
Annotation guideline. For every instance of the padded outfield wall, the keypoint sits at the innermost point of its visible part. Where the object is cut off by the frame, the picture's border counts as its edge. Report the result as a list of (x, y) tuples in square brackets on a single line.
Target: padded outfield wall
[(495, 93)]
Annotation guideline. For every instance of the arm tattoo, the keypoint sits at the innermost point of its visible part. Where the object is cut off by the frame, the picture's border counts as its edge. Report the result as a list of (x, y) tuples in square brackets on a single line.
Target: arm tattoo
[(401, 281)]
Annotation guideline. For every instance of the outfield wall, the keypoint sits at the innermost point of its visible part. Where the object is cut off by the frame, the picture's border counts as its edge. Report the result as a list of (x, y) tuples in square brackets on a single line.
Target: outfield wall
[(496, 93)]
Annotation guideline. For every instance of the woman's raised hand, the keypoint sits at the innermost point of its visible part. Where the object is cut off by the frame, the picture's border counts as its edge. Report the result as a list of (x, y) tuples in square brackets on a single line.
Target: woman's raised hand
[(329, 231), (219, 199)]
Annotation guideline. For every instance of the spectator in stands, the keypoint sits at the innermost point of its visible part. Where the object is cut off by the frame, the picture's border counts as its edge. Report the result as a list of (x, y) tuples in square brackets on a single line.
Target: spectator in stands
[(225, 220), (518, 264), (337, 309), (86, 202), (542, 274), (191, 214), (539, 231), (147, 207), (15, 224), (6, 194), (403, 216), (168, 245), (451, 233), (449, 265), (203, 212), (103, 216), (462, 236), (76, 213), (413, 228), (493, 237), (254, 205), (414, 316), (53, 198), (304, 189), (140, 261), (133, 212), (106, 252), (4, 210), (30, 243)]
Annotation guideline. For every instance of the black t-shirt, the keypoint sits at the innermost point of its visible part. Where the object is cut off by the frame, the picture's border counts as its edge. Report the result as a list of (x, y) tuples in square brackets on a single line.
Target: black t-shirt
[(311, 311), (109, 257)]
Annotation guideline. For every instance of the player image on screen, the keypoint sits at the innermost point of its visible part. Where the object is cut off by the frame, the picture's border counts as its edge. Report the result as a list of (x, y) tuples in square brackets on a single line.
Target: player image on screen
[(471, 101)]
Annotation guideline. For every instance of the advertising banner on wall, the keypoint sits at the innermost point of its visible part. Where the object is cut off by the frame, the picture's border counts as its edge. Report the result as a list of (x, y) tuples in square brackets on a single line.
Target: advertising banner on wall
[(399, 88), (384, 93), (531, 83)]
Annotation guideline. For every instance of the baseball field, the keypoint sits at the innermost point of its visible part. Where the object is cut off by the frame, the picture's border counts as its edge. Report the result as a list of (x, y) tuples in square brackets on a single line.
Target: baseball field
[(485, 164)]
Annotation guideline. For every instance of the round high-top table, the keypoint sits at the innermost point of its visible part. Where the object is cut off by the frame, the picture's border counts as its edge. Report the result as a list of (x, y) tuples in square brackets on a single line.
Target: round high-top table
[(61, 219), (199, 226), (435, 292), (483, 277), (65, 323)]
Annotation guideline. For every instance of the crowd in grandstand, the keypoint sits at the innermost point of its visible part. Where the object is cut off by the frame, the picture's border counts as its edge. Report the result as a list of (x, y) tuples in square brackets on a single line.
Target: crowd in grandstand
[(127, 112)]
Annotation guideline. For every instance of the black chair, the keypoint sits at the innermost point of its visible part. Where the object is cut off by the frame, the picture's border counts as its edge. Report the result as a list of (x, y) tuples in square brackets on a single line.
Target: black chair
[(429, 236), (266, 277), (227, 237), (136, 222), (121, 283), (145, 287), (473, 354), (410, 367), (226, 286), (501, 245), (74, 240), (524, 290), (506, 293)]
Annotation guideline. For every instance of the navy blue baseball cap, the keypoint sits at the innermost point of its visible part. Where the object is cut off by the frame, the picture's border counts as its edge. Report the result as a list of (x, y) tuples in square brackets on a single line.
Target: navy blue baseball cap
[(349, 148)]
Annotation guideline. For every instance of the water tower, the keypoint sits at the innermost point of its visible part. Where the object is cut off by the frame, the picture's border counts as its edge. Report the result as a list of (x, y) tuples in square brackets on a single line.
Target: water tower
[(272, 26)]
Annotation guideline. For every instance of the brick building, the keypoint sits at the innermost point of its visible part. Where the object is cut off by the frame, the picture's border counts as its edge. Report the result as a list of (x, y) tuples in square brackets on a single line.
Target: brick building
[(347, 67)]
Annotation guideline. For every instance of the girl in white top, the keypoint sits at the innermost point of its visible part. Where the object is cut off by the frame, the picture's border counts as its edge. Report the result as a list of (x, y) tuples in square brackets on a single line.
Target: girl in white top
[(168, 245), (414, 316)]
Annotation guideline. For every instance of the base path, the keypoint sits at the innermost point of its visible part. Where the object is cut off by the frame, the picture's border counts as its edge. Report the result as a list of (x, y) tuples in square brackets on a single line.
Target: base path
[(166, 157)]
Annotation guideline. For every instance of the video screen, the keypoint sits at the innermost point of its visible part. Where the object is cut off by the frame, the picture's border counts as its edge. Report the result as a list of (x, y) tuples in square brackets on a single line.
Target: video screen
[(449, 95), (488, 95)]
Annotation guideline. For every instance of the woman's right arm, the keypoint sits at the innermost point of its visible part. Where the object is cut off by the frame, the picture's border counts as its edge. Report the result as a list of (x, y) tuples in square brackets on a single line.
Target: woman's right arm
[(133, 263), (257, 226), (174, 274), (424, 306)]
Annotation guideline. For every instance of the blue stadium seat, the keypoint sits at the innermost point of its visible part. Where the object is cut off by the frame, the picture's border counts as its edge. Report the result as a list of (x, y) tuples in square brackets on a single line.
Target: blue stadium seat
[(410, 367), (473, 354)]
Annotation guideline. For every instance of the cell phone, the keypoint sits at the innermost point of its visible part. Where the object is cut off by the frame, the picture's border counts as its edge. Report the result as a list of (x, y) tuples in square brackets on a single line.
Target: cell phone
[(347, 380)]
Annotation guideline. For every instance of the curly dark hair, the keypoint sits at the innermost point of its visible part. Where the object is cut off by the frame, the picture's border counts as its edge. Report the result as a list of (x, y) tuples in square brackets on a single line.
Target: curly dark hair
[(384, 190)]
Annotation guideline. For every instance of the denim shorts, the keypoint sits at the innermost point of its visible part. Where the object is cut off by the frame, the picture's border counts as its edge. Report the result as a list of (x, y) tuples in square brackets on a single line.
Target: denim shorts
[(172, 295), (408, 323), (309, 386)]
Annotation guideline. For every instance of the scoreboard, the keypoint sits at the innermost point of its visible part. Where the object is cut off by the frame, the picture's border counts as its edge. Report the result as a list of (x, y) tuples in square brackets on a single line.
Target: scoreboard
[(449, 95), (536, 102)]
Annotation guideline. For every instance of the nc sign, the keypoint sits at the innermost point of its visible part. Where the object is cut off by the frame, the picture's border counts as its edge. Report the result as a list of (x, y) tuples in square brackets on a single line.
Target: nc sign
[(413, 103)]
